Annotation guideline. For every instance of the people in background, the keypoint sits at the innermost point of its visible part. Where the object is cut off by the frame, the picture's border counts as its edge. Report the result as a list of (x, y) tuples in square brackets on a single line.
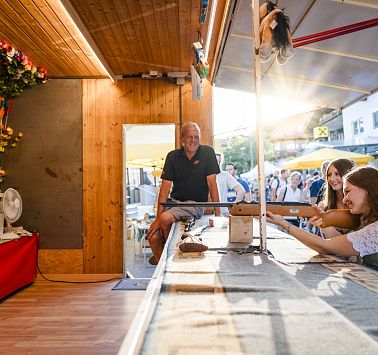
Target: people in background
[(333, 197), (317, 188), (232, 169), (291, 193), (306, 198), (225, 183), (255, 190), (361, 197), (269, 180), (277, 183), (305, 195), (192, 171)]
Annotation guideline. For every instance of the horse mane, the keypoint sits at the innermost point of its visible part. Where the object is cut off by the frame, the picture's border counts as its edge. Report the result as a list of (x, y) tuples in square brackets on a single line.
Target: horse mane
[(270, 6), (280, 33)]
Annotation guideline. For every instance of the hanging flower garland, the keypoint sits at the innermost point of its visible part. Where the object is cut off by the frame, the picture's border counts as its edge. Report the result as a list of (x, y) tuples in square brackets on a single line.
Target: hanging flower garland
[(17, 73)]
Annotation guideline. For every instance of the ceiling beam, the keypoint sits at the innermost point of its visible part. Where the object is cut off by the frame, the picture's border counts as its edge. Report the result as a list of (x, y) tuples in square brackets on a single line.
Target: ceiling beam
[(365, 3), (71, 13), (321, 83), (359, 99), (315, 82), (315, 49), (317, 102), (341, 54), (220, 38)]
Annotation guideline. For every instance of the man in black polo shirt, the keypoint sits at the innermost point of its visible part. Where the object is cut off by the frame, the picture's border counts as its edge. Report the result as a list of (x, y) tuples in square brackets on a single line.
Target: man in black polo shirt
[(192, 170)]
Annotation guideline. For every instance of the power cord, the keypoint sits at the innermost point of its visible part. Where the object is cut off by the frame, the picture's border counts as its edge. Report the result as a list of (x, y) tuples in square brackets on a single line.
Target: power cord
[(69, 282), (76, 282)]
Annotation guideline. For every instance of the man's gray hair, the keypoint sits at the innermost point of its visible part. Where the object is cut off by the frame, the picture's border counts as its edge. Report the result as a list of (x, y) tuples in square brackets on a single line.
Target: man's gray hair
[(324, 166), (189, 125), (296, 173)]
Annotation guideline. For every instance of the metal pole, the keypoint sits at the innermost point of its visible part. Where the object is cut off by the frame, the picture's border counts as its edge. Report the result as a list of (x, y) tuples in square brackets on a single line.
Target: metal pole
[(259, 126)]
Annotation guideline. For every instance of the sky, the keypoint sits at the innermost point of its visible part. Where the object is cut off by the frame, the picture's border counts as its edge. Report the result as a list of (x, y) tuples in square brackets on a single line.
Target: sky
[(235, 109)]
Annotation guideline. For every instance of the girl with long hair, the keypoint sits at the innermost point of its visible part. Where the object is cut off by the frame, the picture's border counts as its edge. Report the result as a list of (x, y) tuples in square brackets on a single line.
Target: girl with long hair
[(333, 194), (360, 189)]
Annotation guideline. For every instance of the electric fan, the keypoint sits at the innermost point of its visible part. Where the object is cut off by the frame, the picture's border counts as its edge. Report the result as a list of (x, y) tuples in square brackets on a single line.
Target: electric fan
[(10, 211)]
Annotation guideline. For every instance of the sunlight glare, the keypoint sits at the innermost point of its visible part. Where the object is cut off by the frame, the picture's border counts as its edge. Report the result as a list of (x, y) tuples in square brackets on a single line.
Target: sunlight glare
[(234, 111)]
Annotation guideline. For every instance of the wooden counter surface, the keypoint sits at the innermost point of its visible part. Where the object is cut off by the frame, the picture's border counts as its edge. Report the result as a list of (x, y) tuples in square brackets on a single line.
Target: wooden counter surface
[(254, 303)]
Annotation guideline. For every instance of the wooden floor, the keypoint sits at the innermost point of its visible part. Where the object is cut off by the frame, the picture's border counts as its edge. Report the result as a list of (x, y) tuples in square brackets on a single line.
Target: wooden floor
[(51, 318)]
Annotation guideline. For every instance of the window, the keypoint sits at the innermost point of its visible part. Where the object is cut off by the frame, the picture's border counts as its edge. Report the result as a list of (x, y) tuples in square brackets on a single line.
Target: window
[(358, 126), (375, 119), (336, 135)]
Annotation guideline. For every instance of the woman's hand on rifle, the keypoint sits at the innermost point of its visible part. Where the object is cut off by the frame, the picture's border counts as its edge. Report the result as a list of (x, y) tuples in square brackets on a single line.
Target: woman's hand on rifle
[(315, 220), (275, 219)]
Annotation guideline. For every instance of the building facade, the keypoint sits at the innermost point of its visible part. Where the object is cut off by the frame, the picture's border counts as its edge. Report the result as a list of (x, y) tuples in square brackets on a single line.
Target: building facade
[(361, 120)]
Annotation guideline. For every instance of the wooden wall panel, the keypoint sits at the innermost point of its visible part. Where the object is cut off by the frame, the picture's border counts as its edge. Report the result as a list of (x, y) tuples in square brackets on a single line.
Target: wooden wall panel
[(60, 261), (106, 107)]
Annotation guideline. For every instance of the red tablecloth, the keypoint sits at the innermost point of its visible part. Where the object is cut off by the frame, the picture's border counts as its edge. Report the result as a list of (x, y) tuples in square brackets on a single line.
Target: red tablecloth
[(18, 264)]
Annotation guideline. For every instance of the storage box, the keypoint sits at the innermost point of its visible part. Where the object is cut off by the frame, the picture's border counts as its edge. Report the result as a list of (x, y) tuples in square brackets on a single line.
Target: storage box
[(240, 229)]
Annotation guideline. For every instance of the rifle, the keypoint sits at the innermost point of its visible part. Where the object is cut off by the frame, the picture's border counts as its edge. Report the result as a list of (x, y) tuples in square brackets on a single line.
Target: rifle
[(341, 218)]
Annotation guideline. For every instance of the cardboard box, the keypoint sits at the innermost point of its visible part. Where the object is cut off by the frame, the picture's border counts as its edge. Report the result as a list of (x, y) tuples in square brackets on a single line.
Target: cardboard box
[(240, 229)]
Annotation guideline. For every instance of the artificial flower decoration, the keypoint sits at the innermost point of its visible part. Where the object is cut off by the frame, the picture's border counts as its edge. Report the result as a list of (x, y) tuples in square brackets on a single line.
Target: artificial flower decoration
[(17, 73)]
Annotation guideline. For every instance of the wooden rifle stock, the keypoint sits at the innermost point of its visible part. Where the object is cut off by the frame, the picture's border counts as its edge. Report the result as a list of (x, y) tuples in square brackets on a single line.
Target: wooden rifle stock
[(336, 218), (341, 218)]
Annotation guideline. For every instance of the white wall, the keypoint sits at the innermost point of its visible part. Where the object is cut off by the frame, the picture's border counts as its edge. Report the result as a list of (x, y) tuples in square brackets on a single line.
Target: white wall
[(364, 109)]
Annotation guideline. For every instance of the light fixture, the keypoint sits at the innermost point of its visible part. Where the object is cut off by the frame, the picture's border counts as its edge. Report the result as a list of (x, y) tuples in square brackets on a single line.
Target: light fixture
[(72, 15), (210, 28)]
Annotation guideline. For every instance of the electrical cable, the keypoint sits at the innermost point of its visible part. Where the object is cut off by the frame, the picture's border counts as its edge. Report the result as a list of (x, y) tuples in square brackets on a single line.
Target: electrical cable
[(68, 282), (77, 282)]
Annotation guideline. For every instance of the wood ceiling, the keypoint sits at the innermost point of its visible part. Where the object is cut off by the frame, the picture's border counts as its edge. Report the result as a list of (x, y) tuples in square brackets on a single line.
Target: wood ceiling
[(129, 36)]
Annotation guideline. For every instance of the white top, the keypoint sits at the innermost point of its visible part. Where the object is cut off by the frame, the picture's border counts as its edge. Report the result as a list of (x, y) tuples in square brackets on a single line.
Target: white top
[(365, 240), (291, 196), (225, 181), (277, 183), (305, 196)]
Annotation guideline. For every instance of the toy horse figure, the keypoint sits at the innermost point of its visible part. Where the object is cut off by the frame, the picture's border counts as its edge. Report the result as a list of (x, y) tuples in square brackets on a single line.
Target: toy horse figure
[(274, 33)]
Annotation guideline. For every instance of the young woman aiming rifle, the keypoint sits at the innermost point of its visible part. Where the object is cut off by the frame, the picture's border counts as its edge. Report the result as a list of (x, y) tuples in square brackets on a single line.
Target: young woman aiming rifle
[(361, 197)]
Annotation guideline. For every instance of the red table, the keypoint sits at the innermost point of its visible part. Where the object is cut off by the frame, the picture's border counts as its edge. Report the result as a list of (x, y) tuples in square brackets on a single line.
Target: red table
[(18, 263)]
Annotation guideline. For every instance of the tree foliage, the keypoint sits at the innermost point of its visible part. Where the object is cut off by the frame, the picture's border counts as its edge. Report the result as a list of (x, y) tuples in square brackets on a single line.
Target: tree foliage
[(238, 151)]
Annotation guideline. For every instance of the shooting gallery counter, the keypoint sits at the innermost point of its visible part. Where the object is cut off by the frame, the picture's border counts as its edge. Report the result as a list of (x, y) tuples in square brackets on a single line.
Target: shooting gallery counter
[(296, 302)]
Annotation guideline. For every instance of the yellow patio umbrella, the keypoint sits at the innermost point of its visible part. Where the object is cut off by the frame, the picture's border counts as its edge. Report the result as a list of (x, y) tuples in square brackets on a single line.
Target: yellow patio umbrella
[(148, 145), (146, 163), (316, 158)]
